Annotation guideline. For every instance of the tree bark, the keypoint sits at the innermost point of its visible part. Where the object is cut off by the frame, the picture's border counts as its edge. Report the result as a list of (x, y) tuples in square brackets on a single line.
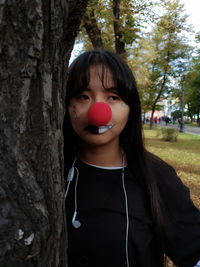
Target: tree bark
[(161, 89), (36, 40), (92, 29), (157, 99), (119, 44)]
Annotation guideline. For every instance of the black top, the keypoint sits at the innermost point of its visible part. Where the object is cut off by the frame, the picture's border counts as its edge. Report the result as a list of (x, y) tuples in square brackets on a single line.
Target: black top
[(100, 241)]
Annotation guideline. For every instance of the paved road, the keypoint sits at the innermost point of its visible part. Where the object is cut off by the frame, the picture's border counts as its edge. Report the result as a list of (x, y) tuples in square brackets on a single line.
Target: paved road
[(187, 129)]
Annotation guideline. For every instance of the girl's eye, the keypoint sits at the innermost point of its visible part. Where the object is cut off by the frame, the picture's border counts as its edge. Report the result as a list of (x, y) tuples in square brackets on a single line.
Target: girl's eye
[(114, 97), (82, 97)]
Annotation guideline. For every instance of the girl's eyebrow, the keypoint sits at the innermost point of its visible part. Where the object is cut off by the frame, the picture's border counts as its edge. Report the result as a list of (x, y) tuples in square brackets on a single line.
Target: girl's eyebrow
[(112, 90), (109, 89)]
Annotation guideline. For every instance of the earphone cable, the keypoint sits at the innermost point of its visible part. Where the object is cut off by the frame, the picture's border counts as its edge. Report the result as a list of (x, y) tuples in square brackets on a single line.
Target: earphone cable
[(126, 205), (70, 177), (66, 192), (65, 195), (75, 198)]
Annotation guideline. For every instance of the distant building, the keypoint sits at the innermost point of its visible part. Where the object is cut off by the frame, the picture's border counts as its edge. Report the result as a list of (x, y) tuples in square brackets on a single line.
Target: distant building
[(168, 105)]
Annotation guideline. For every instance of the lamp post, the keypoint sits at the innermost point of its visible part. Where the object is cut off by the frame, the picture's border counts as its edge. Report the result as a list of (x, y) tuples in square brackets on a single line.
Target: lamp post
[(181, 130)]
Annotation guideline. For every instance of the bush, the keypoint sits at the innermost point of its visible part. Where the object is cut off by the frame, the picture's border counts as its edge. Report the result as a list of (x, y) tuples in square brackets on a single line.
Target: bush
[(158, 131), (169, 134)]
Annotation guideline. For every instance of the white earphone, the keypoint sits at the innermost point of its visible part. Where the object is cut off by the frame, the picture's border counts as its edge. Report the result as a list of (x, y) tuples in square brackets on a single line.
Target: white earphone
[(70, 177), (75, 222)]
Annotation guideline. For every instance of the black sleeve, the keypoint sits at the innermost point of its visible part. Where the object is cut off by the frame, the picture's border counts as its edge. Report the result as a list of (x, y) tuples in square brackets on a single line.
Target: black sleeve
[(181, 220)]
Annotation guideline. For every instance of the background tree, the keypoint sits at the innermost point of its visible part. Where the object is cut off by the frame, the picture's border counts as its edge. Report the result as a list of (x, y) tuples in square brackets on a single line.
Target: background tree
[(156, 55), (192, 90), (36, 40), (162, 52), (114, 24), (90, 23)]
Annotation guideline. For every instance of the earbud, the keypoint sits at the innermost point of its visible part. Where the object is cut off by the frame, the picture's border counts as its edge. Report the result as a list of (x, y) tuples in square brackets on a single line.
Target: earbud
[(75, 222), (70, 177), (70, 174), (99, 114)]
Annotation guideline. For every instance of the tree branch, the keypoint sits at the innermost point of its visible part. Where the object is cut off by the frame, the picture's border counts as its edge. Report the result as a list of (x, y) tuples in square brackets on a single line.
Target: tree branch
[(119, 45), (92, 29)]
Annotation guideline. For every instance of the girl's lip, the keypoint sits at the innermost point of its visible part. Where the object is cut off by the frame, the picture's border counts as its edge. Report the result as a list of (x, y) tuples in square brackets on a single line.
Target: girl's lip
[(98, 129)]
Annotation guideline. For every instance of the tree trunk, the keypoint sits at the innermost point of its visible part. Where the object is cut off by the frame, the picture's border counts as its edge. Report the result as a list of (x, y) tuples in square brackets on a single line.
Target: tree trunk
[(160, 91), (92, 29), (151, 119), (36, 40), (119, 44)]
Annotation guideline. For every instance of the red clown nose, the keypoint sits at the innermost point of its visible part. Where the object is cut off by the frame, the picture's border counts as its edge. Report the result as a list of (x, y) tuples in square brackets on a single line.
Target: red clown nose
[(99, 114)]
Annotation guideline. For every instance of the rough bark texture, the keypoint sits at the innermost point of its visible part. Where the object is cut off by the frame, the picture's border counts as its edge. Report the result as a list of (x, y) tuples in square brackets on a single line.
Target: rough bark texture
[(92, 29), (119, 45), (36, 39)]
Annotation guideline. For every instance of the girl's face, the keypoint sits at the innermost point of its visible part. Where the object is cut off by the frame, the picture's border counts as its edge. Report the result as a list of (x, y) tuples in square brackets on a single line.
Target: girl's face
[(96, 92)]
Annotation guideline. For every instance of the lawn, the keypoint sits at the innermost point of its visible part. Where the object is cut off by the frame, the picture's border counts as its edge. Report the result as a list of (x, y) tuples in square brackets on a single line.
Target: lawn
[(183, 155)]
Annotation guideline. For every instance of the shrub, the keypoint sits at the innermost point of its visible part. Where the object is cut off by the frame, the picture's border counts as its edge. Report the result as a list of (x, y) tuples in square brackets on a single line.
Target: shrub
[(169, 134), (158, 131)]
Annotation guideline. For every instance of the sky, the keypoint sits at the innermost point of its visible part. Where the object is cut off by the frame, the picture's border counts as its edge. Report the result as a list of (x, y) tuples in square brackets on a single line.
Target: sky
[(192, 8)]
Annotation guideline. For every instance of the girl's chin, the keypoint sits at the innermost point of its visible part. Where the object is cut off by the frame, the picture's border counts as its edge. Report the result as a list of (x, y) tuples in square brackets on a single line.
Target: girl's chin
[(98, 140)]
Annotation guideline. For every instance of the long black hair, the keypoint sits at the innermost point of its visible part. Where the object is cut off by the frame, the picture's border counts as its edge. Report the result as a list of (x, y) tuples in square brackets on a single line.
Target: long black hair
[(131, 139)]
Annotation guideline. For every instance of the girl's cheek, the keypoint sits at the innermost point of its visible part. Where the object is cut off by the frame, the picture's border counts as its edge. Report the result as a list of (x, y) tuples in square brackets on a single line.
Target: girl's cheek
[(74, 114), (120, 112), (121, 109), (78, 112), (124, 105)]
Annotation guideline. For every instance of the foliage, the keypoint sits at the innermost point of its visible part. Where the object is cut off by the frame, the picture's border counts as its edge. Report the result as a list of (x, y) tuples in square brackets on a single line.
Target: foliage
[(133, 15), (192, 93), (176, 114), (169, 134), (192, 86), (161, 52)]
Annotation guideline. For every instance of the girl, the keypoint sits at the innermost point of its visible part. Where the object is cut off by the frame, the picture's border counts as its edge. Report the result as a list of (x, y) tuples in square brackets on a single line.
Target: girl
[(125, 207)]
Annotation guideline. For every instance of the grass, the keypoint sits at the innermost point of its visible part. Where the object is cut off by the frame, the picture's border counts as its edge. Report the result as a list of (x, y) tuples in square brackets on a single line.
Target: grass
[(183, 155), (195, 124)]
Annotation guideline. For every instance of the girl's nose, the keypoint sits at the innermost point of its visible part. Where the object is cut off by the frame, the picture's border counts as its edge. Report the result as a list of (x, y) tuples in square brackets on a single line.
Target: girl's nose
[(99, 114)]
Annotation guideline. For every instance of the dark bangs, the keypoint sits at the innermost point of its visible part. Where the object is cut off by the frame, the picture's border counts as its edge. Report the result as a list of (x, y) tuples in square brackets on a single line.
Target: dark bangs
[(124, 82)]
